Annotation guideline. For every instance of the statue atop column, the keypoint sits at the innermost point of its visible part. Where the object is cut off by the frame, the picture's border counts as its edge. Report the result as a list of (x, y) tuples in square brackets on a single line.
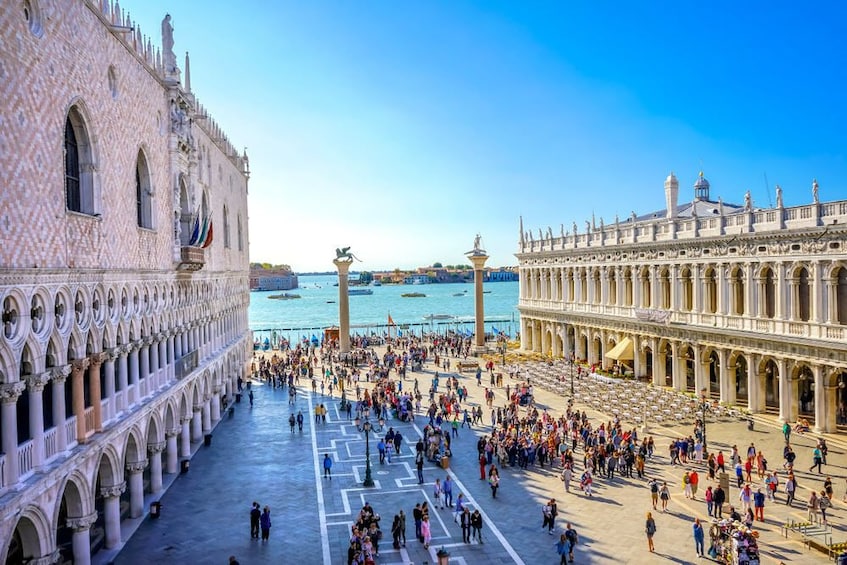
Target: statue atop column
[(778, 196), (815, 191), (477, 245)]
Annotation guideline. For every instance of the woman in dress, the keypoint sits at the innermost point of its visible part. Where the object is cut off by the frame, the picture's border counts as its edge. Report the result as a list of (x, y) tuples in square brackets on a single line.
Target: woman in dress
[(664, 496), (650, 529), (426, 532)]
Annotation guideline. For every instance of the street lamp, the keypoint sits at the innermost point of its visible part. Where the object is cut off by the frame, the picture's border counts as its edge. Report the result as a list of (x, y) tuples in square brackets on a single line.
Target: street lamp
[(704, 404), (367, 427)]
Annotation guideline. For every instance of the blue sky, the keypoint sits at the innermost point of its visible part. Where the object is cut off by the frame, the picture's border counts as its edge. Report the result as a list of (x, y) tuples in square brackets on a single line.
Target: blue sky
[(402, 129)]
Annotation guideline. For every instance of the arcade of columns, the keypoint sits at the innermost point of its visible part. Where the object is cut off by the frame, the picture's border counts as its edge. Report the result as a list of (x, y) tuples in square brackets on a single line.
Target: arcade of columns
[(685, 334)]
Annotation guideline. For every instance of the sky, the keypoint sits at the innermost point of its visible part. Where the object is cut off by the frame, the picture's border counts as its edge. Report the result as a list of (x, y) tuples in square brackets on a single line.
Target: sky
[(403, 129)]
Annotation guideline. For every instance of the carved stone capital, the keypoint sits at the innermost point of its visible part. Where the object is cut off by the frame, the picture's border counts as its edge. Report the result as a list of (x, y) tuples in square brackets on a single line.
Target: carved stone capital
[(113, 490), (186, 420), (9, 392), (82, 523), (198, 407), (96, 360), (80, 365), (173, 432), (46, 559), (154, 448), (60, 374), (136, 466), (111, 355), (36, 383)]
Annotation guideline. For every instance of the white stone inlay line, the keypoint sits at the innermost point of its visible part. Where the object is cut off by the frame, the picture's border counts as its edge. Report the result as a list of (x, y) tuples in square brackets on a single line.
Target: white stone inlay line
[(320, 489), (488, 522)]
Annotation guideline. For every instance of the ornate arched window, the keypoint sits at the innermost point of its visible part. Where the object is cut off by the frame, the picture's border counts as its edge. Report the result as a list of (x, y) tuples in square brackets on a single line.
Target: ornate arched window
[(79, 165), (143, 193)]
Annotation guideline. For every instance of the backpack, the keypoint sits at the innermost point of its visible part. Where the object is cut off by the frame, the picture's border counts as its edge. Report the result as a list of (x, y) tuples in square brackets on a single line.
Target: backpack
[(571, 536), (654, 488)]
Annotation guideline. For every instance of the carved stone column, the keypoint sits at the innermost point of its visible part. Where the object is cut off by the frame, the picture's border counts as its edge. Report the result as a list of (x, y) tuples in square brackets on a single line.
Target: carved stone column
[(77, 370), (154, 451), (144, 368), (9, 393), (94, 390), (727, 382), (123, 376), (185, 438), (170, 356), (134, 385), (197, 423), (677, 377), (216, 403), (136, 488), (60, 375), (35, 387), (108, 369), (207, 414), (81, 539), (171, 451), (112, 513)]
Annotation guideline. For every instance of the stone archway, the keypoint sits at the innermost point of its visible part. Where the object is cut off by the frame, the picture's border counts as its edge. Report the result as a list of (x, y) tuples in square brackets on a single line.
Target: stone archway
[(74, 520), (741, 380), (771, 384), (805, 397), (29, 539)]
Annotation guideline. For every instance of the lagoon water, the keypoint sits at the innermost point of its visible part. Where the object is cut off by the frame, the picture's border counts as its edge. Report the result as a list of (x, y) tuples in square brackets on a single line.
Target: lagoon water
[(318, 308)]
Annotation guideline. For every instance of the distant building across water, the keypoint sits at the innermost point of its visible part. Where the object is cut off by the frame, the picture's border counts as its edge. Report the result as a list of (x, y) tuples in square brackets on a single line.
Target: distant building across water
[(269, 279)]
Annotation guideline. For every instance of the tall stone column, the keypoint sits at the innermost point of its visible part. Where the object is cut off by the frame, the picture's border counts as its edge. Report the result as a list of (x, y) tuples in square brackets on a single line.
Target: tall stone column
[(112, 513), (207, 414), (143, 369), (215, 404), (123, 375), (136, 487), (170, 356), (78, 403), (478, 258), (60, 375), (94, 389), (678, 376), (154, 451), (9, 393), (109, 372), (197, 423), (35, 387), (726, 378), (155, 374), (171, 451), (81, 539), (133, 375), (343, 267), (185, 438)]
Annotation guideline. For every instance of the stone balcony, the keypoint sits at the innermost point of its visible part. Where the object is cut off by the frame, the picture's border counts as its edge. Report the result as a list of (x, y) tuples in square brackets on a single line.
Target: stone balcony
[(191, 258)]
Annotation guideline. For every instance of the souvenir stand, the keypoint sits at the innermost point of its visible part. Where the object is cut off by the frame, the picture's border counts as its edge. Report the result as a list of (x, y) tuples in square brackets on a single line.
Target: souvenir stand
[(733, 543)]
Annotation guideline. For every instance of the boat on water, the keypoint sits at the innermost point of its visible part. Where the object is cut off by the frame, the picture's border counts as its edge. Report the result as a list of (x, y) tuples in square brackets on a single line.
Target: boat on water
[(438, 317), (330, 301), (460, 293), (377, 283), (413, 295), (284, 296), (358, 291)]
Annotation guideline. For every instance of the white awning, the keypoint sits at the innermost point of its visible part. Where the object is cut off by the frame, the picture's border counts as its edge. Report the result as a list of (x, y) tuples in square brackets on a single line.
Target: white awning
[(622, 351)]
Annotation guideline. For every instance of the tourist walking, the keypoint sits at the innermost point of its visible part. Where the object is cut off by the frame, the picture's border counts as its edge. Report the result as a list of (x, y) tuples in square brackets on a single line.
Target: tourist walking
[(759, 505), (650, 530), (494, 481), (327, 467), (437, 500), (447, 489), (403, 527), (817, 459), (426, 532), (823, 505), (476, 525), (790, 488), (255, 514), (699, 537), (562, 547), (664, 496), (265, 523), (573, 539), (465, 521), (719, 497), (417, 516), (709, 500), (567, 475), (654, 492)]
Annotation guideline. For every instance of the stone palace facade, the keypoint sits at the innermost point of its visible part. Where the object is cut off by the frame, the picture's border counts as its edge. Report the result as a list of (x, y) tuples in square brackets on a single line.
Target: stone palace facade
[(123, 274), (746, 304)]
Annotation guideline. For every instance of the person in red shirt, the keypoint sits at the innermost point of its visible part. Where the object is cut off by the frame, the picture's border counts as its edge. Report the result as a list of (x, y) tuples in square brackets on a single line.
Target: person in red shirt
[(721, 463)]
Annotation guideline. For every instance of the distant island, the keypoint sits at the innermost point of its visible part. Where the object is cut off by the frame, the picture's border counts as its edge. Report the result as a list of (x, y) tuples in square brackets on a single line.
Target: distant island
[(434, 274)]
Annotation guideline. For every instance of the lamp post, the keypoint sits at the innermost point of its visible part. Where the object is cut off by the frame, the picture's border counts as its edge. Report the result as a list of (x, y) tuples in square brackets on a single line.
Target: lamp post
[(367, 427), (704, 405), (570, 364)]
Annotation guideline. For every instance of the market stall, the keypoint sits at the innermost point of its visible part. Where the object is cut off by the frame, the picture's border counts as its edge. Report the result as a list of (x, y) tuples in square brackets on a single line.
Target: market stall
[(733, 543)]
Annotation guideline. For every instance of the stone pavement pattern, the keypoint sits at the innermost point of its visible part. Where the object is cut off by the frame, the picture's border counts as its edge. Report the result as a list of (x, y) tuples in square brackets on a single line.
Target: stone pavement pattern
[(254, 456)]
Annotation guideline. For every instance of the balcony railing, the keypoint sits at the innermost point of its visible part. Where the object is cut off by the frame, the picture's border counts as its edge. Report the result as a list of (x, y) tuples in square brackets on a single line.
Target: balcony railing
[(25, 458), (50, 443), (89, 421), (70, 431)]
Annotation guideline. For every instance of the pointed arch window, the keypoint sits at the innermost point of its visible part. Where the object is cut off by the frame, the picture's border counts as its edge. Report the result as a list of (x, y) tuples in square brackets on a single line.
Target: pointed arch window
[(143, 193), (240, 235), (226, 228), (79, 165)]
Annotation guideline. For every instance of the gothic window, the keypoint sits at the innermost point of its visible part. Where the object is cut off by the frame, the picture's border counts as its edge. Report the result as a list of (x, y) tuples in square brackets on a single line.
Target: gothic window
[(143, 193), (596, 283), (79, 165), (226, 228), (240, 235), (664, 289), (627, 278), (769, 290), (646, 289), (613, 288)]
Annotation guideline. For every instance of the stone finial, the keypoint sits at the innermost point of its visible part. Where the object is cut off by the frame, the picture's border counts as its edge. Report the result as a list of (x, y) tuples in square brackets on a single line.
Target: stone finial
[(187, 73)]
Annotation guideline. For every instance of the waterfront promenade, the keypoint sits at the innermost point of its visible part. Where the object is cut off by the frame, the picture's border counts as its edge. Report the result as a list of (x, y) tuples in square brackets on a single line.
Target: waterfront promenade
[(254, 456)]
